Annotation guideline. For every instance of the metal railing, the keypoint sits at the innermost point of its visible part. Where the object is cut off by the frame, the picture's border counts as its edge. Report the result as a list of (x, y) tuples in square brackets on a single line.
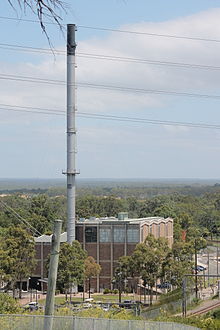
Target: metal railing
[(36, 322)]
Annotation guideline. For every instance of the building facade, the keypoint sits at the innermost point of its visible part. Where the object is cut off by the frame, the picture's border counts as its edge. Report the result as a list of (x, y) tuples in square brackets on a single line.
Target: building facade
[(106, 240)]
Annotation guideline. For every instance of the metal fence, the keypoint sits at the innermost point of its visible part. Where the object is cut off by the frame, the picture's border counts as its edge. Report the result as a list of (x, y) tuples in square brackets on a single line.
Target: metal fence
[(172, 307), (36, 322)]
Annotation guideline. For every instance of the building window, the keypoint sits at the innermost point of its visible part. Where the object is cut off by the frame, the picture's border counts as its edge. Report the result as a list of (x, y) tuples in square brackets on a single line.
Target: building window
[(150, 229), (91, 234), (105, 235), (133, 235), (119, 234)]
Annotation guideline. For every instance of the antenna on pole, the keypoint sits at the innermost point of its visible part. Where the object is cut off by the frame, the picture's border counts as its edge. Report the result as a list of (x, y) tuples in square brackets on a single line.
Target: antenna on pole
[(71, 133)]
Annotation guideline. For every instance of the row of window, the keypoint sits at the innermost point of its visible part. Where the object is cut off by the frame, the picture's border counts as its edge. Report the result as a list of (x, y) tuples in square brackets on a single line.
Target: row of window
[(105, 235)]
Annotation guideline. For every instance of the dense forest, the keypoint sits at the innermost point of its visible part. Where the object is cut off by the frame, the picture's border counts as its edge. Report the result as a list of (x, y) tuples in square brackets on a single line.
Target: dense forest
[(195, 203)]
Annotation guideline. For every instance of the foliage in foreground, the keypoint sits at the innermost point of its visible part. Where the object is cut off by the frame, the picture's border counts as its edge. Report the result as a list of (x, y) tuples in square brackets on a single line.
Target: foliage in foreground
[(71, 266), (17, 260), (115, 313), (206, 323), (8, 305)]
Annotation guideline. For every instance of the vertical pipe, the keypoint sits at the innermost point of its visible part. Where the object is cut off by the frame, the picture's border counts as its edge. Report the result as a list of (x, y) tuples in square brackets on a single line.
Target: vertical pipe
[(71, 132)]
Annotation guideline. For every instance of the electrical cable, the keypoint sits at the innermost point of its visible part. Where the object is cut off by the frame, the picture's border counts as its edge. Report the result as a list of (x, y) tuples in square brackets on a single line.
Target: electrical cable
[(108, 117), (21, 219), (40, 50), (118, 30), (108, 87)]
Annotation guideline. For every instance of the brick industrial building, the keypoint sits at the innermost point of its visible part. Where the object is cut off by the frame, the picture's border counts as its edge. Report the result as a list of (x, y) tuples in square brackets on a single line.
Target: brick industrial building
[(107, 239)]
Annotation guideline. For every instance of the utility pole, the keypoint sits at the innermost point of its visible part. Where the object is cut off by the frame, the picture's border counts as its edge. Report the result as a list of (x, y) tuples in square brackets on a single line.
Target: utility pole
[(52, 277), (196, 272), (208, 266), (184, 308), (119, 287), (217, 254), (71, 133)]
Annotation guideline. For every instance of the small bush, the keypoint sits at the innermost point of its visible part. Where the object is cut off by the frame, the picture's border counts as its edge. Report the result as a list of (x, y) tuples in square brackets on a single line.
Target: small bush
[(216, 314), (106, 291), (8, 304)]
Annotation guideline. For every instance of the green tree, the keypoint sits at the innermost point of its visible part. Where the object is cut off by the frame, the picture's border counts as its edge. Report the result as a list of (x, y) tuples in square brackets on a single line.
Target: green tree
[(148, 258), (71, 268), (92, 269), (8, 305), (17, 256)]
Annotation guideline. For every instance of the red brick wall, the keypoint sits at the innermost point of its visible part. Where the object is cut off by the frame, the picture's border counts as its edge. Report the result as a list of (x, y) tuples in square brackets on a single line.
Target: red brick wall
[(79, 234), (38, 268), (130, 248), (106, 268), (47, 248), (105, 251), (162, 230), (91, 249), (118, 251), (37, 251), (105, 283)]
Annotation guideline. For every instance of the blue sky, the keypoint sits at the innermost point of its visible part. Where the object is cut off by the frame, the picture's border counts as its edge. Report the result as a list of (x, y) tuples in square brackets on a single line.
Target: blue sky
[(33, 145)]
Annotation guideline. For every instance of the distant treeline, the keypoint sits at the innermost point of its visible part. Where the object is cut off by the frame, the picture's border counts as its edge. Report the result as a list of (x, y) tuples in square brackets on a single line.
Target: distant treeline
[(24, 191), (121, 190)]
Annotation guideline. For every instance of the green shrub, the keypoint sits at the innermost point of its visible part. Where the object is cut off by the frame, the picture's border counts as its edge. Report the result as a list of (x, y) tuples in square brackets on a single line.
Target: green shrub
[(106, 291), (8, 305), (216, 314)]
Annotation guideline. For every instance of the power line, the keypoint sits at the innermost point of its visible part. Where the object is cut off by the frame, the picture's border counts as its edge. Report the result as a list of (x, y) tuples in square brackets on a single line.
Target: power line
[(119, 31), (146, 91), (108, 117), (28, 20), (34, 111), (108, 87), (148, 61), (31, 79), (46, 51), (37, 50), (150, 34), (21, 219)]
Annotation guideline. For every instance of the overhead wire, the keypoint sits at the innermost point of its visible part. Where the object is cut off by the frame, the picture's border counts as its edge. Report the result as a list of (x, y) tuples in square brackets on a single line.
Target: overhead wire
[(21, 219), (46, 51), (107, 87), (107, 57), (48, 111), (143, 33)]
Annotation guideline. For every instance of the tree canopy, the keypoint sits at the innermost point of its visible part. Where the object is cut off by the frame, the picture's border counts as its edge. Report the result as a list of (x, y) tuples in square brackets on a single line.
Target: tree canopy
[(8, 305), (17, 256), (71, 266)]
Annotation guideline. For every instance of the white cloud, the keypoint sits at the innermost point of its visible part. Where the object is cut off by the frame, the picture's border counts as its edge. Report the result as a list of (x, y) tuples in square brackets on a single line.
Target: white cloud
[(127, 74)]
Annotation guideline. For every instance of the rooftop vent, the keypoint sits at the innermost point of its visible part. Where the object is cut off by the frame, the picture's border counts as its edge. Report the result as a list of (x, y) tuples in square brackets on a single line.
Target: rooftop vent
[(122, 215)]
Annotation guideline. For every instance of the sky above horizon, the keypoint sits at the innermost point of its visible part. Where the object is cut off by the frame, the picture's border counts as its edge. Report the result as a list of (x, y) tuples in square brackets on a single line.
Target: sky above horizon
[(33, 145)]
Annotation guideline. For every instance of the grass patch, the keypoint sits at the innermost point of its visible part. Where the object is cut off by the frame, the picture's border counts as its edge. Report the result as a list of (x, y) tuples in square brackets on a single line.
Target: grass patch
[(113, 298)]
